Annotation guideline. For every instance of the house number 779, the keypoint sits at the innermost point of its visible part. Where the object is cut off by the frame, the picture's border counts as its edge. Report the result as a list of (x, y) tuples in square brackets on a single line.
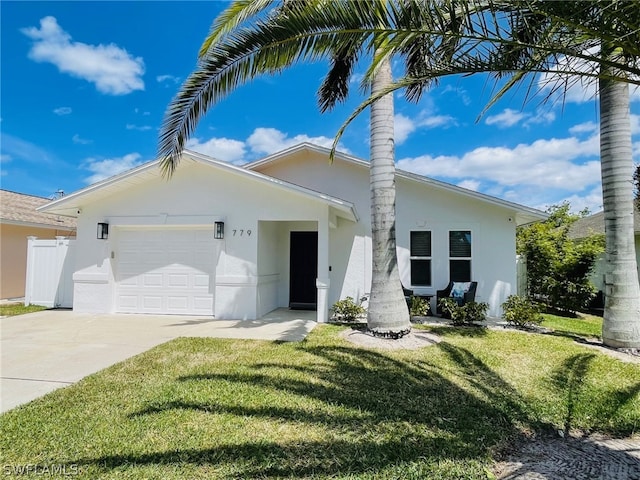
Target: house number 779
[(242, 232)]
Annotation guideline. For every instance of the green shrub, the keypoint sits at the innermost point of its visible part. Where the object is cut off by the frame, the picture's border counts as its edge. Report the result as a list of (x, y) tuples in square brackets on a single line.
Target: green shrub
[(522, 311), (475, 311), (468, 313), (347, 310), (558, 267), (419, 307), (448, 306)]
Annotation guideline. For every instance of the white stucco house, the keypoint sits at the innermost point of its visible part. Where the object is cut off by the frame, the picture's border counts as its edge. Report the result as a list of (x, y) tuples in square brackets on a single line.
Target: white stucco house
[(290, 230)]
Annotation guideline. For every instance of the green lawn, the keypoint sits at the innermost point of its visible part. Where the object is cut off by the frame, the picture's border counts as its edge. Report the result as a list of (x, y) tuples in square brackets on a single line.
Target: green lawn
[(323, 408), (18, 309), (584, 326)]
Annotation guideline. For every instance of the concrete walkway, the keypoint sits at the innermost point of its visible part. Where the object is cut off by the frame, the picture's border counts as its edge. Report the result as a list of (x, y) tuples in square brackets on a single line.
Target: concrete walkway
[(43, 351)]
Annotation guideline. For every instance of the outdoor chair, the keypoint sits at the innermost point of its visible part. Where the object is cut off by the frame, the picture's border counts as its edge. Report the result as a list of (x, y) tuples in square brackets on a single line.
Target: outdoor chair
[(463, 293)]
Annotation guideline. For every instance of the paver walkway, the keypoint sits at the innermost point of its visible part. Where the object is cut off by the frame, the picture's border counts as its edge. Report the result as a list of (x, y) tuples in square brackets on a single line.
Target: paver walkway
[(589, 458)]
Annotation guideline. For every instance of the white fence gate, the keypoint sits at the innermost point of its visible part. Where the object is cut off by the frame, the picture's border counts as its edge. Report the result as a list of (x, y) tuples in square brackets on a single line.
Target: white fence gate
[(50, 265)]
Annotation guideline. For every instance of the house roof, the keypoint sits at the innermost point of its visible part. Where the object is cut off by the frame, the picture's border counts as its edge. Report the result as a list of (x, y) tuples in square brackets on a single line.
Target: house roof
[(523, 214), (21, 209), (594, 224), (71, 204)]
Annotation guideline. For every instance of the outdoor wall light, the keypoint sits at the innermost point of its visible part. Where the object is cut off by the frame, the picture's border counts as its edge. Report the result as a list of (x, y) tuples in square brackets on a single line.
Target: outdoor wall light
[(103, 231), (218, 230)]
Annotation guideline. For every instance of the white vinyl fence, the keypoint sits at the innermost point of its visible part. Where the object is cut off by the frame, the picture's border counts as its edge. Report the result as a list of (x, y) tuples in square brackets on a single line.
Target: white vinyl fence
[(50, 265)]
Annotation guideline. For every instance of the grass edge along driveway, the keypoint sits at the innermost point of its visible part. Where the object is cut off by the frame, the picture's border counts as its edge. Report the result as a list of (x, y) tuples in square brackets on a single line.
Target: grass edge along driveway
[(210, 408)]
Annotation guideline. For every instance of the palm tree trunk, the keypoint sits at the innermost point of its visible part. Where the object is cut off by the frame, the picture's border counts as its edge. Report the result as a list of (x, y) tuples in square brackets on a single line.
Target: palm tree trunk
[(388, 313), (621, 323)]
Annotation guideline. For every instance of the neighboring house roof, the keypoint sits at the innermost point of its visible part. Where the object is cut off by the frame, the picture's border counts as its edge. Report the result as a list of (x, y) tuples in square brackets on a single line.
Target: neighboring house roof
[(21, 209), (70, 204), (594, 224), (524, 215)]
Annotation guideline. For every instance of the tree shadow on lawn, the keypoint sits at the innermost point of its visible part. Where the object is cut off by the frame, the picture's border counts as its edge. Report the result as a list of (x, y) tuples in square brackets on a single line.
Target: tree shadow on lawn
[(569, 380), (380, 412)]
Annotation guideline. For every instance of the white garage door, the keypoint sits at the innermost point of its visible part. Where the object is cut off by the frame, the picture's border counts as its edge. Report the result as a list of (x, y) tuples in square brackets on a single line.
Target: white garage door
[(168, 271)]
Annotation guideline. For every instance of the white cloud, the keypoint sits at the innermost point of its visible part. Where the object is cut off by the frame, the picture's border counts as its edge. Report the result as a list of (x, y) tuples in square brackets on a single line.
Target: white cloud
[(112, 69), (167, 78), (540, 117), (140, 128), (404, 126), (5, 157), (433, 121), (586, 127), (574, 89), (263, 141), (270, 140), (591, 199), (356, 78), (62, 111), (470, 185), (635, 124), (510, 117), (220, 148), (81, 141), (23, 150), (459, 92), (106, 168), (507, 118), (568, 164)]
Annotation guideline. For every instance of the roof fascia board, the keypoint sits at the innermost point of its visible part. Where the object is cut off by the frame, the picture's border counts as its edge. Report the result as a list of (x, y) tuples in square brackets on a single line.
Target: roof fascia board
[(47, 226)]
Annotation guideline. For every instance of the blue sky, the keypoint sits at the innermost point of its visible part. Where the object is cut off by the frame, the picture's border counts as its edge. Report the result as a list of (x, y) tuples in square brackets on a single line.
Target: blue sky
[(84, 87)]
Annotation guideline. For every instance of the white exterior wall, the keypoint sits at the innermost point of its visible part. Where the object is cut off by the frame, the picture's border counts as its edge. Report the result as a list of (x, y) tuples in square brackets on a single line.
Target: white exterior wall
[(418, 207), (198, 195)]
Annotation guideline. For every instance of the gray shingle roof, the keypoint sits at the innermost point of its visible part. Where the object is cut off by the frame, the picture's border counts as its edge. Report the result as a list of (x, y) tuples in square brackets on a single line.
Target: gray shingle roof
[(19, 208), (595, 224)]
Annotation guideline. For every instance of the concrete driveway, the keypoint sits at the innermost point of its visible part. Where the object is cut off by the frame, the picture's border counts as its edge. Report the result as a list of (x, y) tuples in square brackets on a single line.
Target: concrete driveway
[(43, 351)]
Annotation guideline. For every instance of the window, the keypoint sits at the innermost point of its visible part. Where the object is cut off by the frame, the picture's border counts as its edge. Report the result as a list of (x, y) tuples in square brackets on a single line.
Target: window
[(420, 246), (460, 256)]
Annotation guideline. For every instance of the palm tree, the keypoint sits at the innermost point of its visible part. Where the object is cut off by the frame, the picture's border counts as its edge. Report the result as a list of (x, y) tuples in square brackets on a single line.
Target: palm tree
[(435, 38), (621, 322), (548, 37), (254, 38)]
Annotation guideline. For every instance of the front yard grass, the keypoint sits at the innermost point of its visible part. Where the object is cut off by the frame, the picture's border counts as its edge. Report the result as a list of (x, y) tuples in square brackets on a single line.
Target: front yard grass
[(584, 325), (323, 408), (12, 309)]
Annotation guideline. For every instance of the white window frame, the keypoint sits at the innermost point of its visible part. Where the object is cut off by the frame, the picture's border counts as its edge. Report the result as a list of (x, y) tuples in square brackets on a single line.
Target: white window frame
[(419, 257), (469, 259)]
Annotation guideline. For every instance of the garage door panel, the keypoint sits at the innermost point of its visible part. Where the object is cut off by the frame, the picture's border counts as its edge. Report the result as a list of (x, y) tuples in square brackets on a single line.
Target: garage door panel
[(177, 280), (153, 280), (152, 303), (177, 303), (166, 271)]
